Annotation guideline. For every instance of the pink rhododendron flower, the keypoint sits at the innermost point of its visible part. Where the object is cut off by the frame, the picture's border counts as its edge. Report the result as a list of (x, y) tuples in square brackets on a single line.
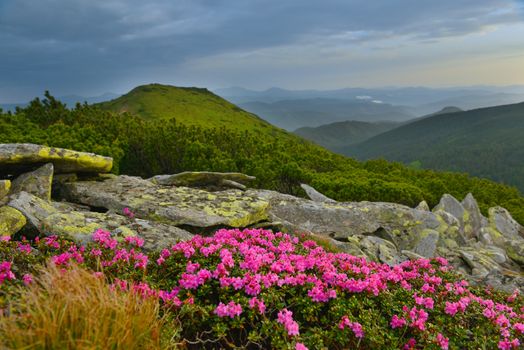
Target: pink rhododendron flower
[(27, 279), (285, 317), (442, 341), (300, 346), (127, 212), (232, 309), (354, 326), (397, 322)]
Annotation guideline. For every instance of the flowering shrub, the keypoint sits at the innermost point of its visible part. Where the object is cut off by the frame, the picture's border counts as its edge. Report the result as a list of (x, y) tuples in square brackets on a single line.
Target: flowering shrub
[(259, 289)]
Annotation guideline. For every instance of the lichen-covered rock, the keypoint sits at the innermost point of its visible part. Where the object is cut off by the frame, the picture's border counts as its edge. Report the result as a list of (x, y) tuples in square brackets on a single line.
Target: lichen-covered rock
[(171, 205), (503, 281), (342, 220), (37, 182), (423, 206), (481, 264), (11, 221), (20, 157), (5, 186), (204, 179), (451, 205), (502, 221), (79, 225), (427, 243), (316, 196), (472, 218), (34, 209), (515, 251)]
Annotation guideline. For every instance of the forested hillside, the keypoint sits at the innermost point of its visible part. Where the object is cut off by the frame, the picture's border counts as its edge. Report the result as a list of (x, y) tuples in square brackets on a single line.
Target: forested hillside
[(342, 134), (487, 142), (149, 147)]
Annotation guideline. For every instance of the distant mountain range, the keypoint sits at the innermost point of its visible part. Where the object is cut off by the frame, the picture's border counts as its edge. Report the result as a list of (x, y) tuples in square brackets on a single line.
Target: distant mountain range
[(312, 112), (486, 142), (415, 101), (69, 100)]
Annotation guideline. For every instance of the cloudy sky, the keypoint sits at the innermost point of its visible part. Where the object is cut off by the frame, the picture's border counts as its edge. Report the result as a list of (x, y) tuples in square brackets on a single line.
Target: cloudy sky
[(89, 47)]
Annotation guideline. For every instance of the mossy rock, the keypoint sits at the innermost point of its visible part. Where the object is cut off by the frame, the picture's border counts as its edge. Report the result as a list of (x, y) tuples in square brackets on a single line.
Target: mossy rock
[(21, 157), (5, 186), (11, 221), (79, 226), (171, 205)]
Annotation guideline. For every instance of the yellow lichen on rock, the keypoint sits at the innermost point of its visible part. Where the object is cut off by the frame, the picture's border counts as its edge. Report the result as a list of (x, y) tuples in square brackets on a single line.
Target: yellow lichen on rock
[(5, 186), (64, 160), (11, 221)]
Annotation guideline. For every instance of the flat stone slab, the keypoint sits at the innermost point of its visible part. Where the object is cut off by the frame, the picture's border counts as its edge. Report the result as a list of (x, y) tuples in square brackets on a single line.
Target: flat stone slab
[(21, 157), (203, 179), (172, 205)]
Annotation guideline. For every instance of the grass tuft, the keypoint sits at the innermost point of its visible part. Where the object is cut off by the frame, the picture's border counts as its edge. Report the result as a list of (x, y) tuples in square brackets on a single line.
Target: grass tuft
[(74, 309)]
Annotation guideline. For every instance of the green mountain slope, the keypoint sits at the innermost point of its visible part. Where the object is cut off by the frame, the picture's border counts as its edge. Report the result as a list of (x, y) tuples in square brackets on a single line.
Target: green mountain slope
[(487, 142), (190, 106), (335, 136)]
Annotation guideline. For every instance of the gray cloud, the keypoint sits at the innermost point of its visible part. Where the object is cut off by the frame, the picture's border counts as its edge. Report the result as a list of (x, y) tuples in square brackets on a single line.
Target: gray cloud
[(91, 46)]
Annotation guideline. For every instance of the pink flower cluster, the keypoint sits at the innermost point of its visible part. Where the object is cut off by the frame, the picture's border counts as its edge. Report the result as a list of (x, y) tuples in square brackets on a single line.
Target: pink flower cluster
[(354, 326), (5, 272), (253, 262), (230, 309), (285, 317)]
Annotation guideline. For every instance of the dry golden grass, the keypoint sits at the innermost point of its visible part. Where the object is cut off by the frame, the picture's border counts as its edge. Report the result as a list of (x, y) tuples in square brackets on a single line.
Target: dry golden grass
[(73, 309)]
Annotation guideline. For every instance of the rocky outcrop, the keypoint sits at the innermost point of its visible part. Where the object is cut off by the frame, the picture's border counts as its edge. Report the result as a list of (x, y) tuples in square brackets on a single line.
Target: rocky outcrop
[(19, 157), (179, 206), (169, 208)]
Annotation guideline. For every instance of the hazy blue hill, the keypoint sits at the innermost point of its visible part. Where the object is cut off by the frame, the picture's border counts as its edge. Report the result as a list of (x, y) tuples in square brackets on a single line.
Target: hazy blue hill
[(487, 142), (294, 114), (338, 135)]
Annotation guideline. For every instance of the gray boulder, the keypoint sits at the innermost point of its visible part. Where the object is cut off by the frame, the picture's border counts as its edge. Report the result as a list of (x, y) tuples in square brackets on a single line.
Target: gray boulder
[(426, 245), (473, 219), (37, 182), (5, 186), (502, 221), (423, 206), (34, 209), (451, 205)]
